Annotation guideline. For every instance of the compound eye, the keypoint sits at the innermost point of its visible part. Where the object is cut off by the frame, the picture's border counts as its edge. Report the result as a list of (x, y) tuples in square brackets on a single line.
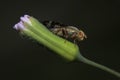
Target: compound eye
[(82, 35)]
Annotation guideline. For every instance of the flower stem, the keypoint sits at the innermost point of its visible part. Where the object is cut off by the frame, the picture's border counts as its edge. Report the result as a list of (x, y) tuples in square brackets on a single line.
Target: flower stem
[(92, 63)]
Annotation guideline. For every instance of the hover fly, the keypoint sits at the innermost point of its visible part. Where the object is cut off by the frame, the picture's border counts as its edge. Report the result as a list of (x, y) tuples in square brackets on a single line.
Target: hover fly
[(65, 31)]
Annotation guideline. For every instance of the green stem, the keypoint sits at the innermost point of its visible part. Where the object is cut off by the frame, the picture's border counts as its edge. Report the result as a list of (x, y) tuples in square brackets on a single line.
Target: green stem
[(92, 63)]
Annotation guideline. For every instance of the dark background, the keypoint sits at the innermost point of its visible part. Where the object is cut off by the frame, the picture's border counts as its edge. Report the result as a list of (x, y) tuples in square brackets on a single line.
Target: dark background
[(22, 59)]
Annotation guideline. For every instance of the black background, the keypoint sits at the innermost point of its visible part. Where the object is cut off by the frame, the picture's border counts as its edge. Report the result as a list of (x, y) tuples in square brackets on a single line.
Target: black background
[(22, 59)]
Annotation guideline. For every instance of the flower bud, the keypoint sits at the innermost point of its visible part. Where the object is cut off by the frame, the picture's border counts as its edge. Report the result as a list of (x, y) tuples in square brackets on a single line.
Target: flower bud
[(31, 27)]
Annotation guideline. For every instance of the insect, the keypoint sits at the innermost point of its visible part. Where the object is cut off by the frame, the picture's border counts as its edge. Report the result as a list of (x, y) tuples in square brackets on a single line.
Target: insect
[(65, 31)]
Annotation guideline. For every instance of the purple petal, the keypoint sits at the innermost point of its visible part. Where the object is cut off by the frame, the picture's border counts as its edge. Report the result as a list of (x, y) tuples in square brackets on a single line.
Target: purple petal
[(16, 27), (26, 16), (26, 19), (19, 26)]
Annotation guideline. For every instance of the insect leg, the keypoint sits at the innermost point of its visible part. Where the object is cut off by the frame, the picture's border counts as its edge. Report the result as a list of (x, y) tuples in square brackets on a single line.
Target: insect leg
[(74, 37), (65, 33)]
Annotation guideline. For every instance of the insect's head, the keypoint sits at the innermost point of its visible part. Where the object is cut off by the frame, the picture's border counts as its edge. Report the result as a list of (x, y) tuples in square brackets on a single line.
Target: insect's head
[(81, 35)]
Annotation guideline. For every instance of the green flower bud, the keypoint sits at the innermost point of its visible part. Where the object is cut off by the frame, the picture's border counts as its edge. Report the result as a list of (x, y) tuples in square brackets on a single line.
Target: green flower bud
[(31, 27)]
